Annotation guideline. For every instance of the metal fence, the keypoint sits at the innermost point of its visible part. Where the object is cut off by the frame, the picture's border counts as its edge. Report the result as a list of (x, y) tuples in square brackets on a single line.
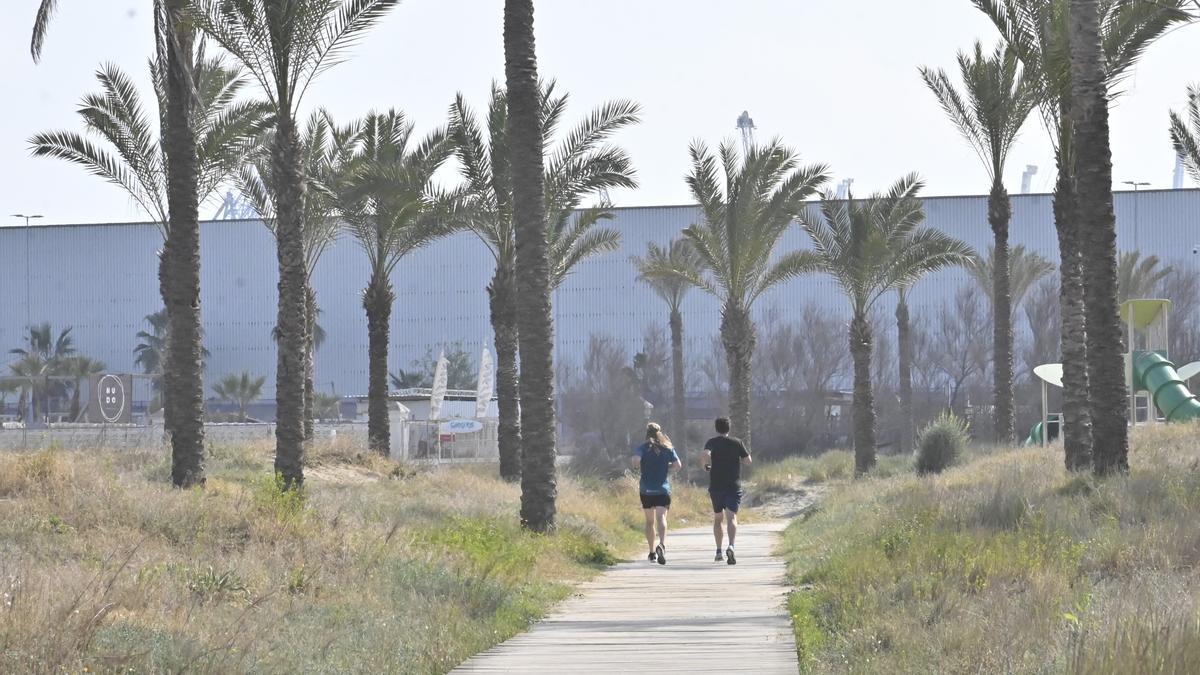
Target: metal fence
[(423, 441)]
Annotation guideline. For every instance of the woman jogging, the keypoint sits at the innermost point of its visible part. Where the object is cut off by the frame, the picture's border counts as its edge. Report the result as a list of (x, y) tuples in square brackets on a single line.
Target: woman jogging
[(654, 459)]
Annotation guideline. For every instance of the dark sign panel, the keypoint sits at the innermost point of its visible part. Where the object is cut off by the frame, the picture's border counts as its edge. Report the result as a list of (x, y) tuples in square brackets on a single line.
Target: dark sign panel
[(112, 399)]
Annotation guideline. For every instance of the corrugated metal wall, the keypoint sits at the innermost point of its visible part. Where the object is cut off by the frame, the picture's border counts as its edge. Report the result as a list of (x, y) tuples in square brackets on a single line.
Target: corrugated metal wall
[(102, 281)]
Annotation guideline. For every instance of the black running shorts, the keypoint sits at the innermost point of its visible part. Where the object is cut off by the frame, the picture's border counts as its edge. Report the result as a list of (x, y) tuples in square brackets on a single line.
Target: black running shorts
[(652, 501)]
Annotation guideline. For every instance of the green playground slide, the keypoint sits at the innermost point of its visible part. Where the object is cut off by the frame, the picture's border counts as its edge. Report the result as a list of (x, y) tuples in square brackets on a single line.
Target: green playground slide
[(1152, 372)]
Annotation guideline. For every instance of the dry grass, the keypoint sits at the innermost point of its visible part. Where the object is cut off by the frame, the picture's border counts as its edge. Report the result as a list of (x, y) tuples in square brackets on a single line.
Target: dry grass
[(1007, 564), (375, 568)]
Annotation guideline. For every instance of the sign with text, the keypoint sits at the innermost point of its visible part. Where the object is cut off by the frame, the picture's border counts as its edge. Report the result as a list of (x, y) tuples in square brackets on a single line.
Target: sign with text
[(460, 427), (111, 399)]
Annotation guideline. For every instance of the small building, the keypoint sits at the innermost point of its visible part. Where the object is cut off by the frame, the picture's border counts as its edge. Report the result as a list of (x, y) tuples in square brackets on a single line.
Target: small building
[(457, 434)]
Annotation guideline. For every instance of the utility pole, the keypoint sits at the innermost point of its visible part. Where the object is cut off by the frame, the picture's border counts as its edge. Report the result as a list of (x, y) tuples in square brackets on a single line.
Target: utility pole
[(1136, 184), (28, 317)]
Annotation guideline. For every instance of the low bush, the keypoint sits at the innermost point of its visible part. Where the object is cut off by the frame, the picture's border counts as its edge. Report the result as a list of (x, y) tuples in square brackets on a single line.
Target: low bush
[(1006, 564), (941, 443)]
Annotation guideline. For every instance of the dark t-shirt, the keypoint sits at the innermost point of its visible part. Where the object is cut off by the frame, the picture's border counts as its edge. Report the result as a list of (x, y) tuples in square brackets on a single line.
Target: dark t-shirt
[(726, 473)]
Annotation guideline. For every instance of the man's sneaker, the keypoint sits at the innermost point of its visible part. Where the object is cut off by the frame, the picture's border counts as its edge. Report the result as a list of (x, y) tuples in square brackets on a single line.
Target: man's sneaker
[(662, 554), (719, 558), (729, 557), (653, 556)]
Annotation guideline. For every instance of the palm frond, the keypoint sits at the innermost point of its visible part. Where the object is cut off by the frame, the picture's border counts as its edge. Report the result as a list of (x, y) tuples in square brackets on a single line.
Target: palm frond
[(41, 24)]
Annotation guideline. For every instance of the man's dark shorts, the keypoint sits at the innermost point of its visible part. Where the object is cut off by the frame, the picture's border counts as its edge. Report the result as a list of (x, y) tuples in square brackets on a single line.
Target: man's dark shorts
[(722, 501), (652, 501)]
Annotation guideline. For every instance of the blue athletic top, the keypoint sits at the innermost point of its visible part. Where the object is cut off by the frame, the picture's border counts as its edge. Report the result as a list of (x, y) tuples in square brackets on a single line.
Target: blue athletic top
[(654, 468)]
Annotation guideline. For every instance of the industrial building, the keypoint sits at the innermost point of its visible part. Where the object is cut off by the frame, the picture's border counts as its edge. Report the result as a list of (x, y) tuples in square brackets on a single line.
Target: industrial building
[(101, 280)]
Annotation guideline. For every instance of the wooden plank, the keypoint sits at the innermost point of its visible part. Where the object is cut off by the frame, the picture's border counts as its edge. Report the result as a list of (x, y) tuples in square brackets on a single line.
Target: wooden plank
[(692, 615)]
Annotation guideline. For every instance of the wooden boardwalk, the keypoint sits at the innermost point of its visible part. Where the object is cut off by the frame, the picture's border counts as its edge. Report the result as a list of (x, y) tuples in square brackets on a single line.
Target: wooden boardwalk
[(692, 615)]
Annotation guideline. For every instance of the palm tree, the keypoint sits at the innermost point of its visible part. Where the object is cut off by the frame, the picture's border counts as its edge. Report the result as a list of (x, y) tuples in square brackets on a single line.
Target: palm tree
[(203, 137), (872, 247), (80, 368), (741, 224), (995, 103), (285, 45), (1185, 134), (665, 270), (241, 389), (391, 208), (904, 363), (326, 150), (1037, 30), (580, 167), (1025, 269), (150, 353), (1093, 175), (44, 357), (535, 324), (1139, 277)]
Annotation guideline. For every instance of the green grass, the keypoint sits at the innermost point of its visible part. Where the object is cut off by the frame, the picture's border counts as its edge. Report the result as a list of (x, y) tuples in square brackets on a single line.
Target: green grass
[(1006, 564), (373, 568)]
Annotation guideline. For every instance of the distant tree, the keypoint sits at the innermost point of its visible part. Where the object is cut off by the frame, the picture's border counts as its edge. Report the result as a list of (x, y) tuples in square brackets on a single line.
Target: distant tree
[(241, 389), (871, 247), (391, 208), (204, 134), (1181, 286), (1042, 315), (959, 342), (285, 46), (747, 203), (326, 152), (461, 372), (677, 255), (1025, 269), (602, 408), (150, 353), (996, 100), (1139, 277), (44, 357), (581, 167), (81, 368)]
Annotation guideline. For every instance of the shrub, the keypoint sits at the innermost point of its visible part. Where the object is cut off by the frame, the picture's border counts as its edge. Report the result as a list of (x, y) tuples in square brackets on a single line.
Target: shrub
[(941, 443)]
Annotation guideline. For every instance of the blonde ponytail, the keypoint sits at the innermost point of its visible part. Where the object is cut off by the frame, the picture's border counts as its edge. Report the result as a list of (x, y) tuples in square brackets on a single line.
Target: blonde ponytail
[(655, 435)]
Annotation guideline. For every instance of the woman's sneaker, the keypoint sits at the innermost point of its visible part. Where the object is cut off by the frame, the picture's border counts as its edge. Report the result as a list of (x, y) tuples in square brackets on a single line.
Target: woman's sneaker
[(719, 558), (662, 554), (729, 557), (653, 557)]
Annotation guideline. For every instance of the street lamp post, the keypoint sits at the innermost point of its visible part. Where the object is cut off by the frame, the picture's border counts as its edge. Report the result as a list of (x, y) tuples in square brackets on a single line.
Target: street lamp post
[(28, 318), (1136, 184), (28, 322)]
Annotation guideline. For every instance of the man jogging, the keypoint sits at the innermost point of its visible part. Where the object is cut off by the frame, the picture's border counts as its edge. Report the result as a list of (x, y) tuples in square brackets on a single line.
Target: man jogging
[(724, 456), (654, 459)]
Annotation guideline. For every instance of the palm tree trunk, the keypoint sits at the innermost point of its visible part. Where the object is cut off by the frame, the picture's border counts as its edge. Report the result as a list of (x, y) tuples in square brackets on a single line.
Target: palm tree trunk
[(1076, 423), (289, 373), (377, 300), (310, 318), (181, 260), (164, 381), (502, 295), (76, 404), (905, 349), (1089, 113), (678, 407), (739, 338), (535, 325), (864, 401), (999, 214)]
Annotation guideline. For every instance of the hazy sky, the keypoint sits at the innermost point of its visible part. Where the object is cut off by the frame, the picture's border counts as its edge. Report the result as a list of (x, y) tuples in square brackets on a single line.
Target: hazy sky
[(836, 80)]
